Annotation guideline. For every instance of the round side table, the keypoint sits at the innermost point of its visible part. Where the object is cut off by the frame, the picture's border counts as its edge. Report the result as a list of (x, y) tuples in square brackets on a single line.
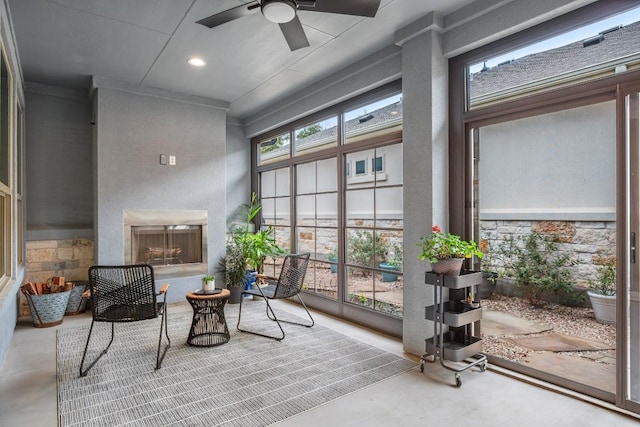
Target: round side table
[(209, 327)]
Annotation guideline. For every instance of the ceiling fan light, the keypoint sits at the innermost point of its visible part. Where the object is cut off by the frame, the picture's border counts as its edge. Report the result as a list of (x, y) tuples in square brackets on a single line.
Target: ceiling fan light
[(279, 11)]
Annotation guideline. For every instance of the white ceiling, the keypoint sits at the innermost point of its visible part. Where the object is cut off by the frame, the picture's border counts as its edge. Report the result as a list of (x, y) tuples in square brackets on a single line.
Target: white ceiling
[(147, 42)]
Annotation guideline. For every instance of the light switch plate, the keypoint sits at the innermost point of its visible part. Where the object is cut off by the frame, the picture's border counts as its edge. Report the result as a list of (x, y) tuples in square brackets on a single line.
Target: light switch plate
[(163, 159)]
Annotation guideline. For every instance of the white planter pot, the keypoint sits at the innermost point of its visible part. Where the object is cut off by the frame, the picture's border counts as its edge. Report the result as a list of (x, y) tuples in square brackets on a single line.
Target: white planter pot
[(604, 307), (208, 285)]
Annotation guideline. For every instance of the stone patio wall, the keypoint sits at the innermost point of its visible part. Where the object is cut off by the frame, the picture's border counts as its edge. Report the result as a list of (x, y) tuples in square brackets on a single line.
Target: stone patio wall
[(589, 244)]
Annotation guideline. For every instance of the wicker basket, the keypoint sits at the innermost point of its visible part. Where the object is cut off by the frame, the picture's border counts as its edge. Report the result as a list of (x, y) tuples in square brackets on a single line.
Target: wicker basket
[(448, 266), (47, 310), (77, 304)]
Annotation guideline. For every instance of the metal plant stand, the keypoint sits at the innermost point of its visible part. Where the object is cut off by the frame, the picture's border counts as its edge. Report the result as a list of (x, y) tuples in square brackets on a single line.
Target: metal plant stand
[(459, 342)]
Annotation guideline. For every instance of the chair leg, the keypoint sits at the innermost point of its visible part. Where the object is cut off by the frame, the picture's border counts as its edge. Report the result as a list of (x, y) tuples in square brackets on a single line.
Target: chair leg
[(163, 325), (269, 309), (296, 323), (84, 355)]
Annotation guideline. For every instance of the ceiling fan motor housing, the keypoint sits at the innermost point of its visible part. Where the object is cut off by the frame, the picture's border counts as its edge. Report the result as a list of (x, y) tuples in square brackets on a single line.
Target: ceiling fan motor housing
[(279, 11)]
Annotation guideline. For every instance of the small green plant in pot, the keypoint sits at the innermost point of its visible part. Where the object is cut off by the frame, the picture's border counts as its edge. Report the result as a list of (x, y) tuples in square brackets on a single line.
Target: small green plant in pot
[(208, 283), (446, 252), (366, 248), (332, 257), (393, 262), (602, 294)]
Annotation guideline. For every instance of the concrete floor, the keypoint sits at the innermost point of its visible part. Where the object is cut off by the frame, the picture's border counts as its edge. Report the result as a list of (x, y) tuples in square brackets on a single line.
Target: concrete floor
[(491, 399)]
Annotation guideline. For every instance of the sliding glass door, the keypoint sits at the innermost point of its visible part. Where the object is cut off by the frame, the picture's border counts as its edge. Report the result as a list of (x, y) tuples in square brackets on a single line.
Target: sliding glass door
[(629, 297)]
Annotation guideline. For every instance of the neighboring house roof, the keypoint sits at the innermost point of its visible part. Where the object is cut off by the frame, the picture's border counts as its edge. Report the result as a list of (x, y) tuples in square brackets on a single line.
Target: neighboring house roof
[(615, 46), (381, 118)]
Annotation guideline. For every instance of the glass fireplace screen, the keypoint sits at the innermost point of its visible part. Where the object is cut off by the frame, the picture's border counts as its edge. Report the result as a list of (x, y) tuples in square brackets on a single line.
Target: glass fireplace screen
[(166, 244)]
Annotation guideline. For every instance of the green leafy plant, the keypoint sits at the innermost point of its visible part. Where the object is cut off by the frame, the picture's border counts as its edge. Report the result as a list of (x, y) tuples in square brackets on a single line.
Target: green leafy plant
[(366, 248), (208, 278), (233, 266), (394, 256), (606, 278), (258, 245), (499, 257), (539, 268), (439, 245)]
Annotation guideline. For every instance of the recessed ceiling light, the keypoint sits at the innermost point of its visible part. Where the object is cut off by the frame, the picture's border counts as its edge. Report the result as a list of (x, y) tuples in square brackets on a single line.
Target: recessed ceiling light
[(197, 62)]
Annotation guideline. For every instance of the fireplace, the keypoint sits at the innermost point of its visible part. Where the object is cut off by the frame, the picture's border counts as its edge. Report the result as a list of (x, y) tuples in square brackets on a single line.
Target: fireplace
[(172, 241)]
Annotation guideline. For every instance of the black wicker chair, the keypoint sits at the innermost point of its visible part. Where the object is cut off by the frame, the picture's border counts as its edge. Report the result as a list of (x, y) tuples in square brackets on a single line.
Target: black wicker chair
[(287, 285), (125, 293)]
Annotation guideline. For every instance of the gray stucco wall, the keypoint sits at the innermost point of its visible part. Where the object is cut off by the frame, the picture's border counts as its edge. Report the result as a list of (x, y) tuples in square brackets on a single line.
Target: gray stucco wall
[(58, 158), (238, 167), (555, 166), (132, 131)]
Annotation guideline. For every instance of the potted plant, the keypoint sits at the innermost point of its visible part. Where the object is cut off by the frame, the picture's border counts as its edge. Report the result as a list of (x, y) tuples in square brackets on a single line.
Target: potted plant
[(255, 246), (233, 268), (208, 283), (332, 257), (366, 248), (446, 252), (393, 263), (603, 293)]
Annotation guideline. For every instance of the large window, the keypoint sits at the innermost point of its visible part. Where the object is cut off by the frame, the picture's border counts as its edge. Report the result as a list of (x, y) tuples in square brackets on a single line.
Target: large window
[(5, 168), (276, 211), (317, 223), (373, 231), (340, 180)]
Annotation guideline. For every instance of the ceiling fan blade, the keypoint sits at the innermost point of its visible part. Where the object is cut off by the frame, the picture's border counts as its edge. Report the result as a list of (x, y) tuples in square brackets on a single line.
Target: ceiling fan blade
[(294, 34), (230, 15), (352, 7)]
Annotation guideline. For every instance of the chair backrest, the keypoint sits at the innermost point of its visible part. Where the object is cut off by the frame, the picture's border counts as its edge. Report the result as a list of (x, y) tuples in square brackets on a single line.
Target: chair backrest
[(122, 293), (292, 275)]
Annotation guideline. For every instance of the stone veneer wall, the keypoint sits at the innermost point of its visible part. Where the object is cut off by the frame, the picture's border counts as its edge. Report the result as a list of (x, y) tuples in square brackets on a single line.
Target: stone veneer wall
[(70, 258), (589, 244)]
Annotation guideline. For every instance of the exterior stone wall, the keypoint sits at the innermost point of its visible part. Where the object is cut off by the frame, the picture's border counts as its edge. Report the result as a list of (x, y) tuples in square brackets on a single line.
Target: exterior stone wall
[(589, 244), (48, 258)]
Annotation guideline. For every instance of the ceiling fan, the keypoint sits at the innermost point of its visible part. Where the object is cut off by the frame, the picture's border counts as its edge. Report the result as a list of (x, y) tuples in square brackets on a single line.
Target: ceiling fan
[(283, 13)]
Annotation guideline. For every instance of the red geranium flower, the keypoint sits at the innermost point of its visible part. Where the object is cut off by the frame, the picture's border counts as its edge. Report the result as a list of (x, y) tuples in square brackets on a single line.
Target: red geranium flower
[(436, 229)]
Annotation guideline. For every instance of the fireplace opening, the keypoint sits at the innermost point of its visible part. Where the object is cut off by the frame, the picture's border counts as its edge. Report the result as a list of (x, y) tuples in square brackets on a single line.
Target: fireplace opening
[(173, 241), (166, 244)]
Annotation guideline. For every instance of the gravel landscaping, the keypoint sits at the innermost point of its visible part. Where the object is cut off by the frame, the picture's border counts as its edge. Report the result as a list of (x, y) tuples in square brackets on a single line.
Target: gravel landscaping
[(576, 321)]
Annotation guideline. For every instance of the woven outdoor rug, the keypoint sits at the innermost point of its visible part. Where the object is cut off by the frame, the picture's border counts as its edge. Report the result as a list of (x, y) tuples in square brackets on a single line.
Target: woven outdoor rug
[(250, 381)]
